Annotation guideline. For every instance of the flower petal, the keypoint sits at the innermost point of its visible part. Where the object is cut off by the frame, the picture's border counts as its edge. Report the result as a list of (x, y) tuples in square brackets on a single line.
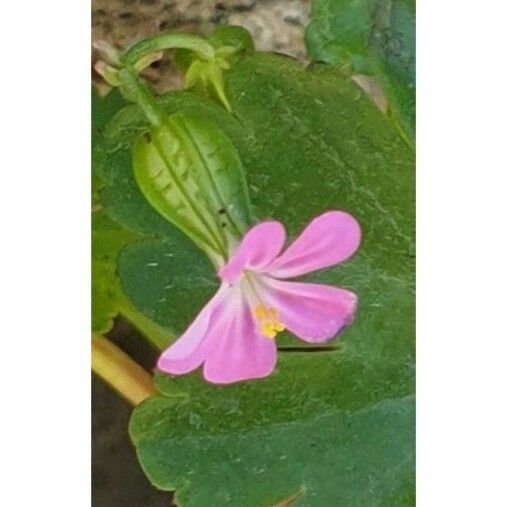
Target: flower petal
[(313, 312), (189, 351), (239, 351), (260, 246), (329, 239)]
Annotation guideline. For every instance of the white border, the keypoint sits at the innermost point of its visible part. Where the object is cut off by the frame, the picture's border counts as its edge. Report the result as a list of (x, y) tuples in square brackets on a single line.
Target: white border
[(45, 267), (461, 254)]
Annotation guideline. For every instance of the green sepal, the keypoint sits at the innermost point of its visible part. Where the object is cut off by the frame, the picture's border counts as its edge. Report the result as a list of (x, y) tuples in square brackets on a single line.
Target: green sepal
[(190, 172), (206, 76), (234, 37)]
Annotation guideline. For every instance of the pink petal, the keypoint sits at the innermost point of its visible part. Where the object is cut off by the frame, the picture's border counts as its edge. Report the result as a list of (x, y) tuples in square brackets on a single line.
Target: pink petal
[(260, 246), (239, 351), (329, 239), (189, 351), (313, 312)]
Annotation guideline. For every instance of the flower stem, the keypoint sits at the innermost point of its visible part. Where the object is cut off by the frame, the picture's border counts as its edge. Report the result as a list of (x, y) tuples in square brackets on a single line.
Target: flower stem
[(160, 337), (169, 41), (124, 375), (137, 91)]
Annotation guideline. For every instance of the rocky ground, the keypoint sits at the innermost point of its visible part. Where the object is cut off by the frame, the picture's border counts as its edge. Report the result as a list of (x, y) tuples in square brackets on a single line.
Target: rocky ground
[(117, 479), (276, 25)]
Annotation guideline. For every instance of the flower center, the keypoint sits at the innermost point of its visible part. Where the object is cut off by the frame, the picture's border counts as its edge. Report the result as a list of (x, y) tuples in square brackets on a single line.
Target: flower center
[(268, 321)]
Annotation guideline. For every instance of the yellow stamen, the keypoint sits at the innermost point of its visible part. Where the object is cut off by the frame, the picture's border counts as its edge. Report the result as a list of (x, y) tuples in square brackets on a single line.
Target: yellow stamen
[(268, 319), (260, 312)]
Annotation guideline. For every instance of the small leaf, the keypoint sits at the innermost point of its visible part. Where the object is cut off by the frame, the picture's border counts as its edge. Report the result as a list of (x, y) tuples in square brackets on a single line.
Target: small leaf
[(107, 237), (107, 240)]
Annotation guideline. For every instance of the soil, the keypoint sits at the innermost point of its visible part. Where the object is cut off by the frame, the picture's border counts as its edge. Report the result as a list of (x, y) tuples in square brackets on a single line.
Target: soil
[(117, 478)]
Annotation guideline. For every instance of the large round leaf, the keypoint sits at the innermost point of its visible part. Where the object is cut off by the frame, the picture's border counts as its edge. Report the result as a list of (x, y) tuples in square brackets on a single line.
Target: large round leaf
[(333, 427)]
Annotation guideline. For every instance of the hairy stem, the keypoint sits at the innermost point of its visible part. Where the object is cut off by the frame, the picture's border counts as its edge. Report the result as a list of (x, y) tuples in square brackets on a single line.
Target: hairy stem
[(123, 374)]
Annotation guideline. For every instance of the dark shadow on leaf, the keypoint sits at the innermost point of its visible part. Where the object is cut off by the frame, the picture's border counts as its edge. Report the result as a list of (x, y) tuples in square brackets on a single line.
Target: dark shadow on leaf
[(323, 348)]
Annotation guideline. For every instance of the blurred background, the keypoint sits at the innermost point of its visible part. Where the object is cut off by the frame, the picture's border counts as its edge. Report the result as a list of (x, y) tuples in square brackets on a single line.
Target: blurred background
[(275, 25)]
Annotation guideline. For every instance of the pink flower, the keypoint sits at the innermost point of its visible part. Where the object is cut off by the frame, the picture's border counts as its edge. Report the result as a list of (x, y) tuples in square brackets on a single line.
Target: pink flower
[(233, 336)]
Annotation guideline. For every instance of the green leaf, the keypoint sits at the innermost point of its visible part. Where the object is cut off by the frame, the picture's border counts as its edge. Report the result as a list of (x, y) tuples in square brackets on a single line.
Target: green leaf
[(373, 37), (107, 237), (335, 426), (108, 298), (254, 445), (107, 240), (168, 279), (104, 108)]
